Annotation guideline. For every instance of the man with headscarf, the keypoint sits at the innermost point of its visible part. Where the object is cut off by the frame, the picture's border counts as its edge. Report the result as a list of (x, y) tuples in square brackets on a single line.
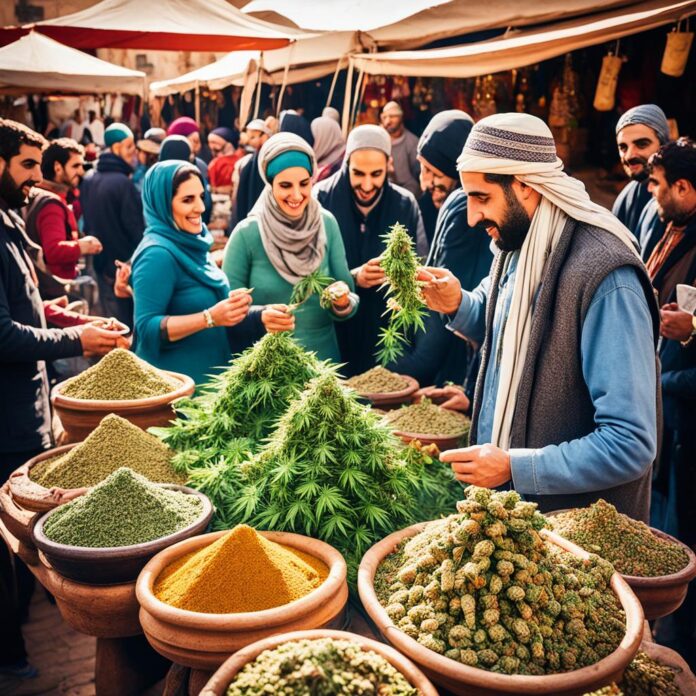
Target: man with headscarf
[(404, 149), (329, 146), (223, 143), (437, 356), (366, 205), (562, 410), (113, 213), (639, 133)]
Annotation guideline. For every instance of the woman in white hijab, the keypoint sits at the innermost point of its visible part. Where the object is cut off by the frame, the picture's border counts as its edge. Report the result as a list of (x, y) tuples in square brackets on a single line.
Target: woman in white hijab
[(287, 236), (329, 146)]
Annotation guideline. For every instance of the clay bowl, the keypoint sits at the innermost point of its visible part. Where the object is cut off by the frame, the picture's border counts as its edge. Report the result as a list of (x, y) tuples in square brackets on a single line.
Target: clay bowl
[(684, 678), (28, 494), (79, 417), (462, 680), (205, 641), (388, 400), (18, 523), (660, 595), (217, 686), (109, 566), (443, 442)]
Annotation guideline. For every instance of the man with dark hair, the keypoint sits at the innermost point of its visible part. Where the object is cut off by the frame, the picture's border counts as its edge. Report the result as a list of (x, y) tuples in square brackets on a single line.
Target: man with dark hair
[(404, 148), (50, 220), (113, 212), (25, 346), (562, 410), (222, 143)]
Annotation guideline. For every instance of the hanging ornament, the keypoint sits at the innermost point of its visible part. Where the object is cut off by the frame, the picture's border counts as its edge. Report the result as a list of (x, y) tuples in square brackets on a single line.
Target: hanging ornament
[(676, 52), (605, 95)]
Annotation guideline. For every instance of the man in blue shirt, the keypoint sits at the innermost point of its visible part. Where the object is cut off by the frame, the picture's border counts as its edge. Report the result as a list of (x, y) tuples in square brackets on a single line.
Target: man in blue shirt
[(565, 403)]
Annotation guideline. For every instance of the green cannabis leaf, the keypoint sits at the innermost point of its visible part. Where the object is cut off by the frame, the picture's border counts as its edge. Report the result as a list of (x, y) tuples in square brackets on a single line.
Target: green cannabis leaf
[(313, 284)]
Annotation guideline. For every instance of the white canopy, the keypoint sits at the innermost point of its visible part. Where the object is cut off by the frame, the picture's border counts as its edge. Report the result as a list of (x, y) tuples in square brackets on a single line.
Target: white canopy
[(36, 63), (519, 49)]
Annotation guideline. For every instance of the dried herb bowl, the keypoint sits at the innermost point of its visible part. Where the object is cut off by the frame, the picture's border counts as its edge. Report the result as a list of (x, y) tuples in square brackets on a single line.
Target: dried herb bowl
[(205, 641), (443, 442), (79, 417), (121, 564), (217, 686), (463, 680), (388, 400)]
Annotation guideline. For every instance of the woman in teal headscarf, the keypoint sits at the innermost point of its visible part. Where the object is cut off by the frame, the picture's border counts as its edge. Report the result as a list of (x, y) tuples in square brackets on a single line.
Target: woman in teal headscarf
[(183, 302)]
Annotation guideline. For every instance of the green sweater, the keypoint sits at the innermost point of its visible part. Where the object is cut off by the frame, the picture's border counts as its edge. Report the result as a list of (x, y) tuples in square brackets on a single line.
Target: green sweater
[(246, 265)]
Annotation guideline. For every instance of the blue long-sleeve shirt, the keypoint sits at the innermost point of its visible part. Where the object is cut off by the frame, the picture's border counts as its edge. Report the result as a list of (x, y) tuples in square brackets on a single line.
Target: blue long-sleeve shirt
[(618, 364)]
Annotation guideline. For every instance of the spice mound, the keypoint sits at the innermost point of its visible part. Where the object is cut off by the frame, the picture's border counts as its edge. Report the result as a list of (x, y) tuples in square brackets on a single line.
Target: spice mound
[(322, 666), (428, 419), (628, 544), (611, 690), (242, 571), (482, 587), (114, 443), (122, 510), (647, 677), (118, 376), (378, 380)]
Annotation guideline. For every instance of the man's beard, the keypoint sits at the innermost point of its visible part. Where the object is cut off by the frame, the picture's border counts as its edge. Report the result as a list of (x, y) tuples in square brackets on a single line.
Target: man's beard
[(670, 213), (439, 193), (366, 204), (11, 193), (514, 227), (640, 175)]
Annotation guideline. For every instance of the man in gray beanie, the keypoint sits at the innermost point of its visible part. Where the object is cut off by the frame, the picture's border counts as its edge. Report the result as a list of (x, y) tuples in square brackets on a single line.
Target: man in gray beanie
[(365, 205), (404, 148), (639, 133)]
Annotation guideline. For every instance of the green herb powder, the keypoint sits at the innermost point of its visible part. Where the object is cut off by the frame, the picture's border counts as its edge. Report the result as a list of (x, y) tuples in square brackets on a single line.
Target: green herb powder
[(427, 418), (378, 380)]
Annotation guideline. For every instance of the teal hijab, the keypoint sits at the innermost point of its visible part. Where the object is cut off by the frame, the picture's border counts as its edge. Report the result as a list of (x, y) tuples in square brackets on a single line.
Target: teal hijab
[(190, 250)]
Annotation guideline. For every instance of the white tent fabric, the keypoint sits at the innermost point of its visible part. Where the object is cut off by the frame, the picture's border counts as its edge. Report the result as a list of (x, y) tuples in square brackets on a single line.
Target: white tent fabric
[(36, 63), (524, 48)]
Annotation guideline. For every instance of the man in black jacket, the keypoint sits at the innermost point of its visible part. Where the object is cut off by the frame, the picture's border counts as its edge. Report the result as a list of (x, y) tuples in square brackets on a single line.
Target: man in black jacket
[(113, 213), (25, 346)]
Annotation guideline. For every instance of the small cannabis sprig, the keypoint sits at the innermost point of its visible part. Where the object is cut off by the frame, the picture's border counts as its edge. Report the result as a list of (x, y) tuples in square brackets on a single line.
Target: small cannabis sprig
[(405, 303), (313, 284)]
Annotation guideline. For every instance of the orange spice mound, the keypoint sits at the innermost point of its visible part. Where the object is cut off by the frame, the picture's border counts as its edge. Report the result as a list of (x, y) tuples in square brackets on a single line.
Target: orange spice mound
[(239, 572)]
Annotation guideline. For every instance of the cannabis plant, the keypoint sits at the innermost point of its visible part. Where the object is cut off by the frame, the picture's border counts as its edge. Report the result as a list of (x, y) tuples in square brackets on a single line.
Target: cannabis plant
[(313, 284), (405, 303)]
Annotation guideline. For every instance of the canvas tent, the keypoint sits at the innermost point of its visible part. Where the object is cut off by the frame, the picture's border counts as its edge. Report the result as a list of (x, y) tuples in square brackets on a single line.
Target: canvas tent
[(174, 25), (35, 63)]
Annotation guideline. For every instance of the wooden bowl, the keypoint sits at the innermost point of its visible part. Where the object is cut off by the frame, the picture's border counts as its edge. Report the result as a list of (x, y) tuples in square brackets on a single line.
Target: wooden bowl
[(205, 641), (18, 523), (217, 686), (108, 566), (463, 680), (660, 595), (443, 442), (390, 400), (29, 494), (80, 417)]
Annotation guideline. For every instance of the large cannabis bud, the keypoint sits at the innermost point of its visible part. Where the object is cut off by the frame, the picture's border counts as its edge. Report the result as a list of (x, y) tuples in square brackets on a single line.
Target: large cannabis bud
[(482, 587), (647, 677), (405, 303)]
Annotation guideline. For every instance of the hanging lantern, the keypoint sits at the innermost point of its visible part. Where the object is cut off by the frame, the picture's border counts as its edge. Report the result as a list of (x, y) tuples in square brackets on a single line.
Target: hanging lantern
[(676, 52), (605, 94)]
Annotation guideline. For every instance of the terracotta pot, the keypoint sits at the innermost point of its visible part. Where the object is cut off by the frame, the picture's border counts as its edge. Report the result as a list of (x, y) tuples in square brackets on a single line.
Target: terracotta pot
[(80, 417), (29, 494), (205, 641), (660, 595), (115, 565), (217, 686), (683, 677), (443, 442), (18, 523), (104, 611), (463, 680), (388, 400)]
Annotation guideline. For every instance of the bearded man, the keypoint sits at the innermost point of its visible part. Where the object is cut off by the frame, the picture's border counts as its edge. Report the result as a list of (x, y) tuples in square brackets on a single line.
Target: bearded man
[(563, 411), (404, 148)]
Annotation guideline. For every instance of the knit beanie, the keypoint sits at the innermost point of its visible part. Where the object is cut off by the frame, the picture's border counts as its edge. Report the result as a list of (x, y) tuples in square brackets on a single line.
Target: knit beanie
[(115, 133), (368, 137), (649, 115), (443, 140), (228, 134), (183, 126)]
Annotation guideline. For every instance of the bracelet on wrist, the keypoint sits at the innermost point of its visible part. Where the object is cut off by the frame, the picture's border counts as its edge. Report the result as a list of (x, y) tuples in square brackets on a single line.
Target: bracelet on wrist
[(208, 318)]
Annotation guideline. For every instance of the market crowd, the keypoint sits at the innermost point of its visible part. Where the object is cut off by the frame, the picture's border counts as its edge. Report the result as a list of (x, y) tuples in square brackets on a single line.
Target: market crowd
[(564, 330)]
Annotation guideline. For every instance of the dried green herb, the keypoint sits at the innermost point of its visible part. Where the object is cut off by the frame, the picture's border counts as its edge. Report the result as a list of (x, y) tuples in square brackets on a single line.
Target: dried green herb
[(483, 588), (120, 375), (377, 380), (114, 443), (427, 418), (122, 510), (647, 677), (405, 303), (626, 543), (322, 667)]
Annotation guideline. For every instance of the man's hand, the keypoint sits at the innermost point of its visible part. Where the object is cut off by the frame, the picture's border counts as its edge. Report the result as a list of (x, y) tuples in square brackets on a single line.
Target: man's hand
[(371, 274), (450, 396), (276, 318), (89, 245), (442, 290), (121, 287), (98, 341), (481, 465), (674, 323)]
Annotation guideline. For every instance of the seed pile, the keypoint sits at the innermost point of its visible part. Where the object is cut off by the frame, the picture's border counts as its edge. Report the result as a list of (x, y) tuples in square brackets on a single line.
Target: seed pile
[(114, 443), (626, 543), (647, 677), (241, 571), (323, 667), (120, 375), (122, 510), (428, 419), (483, 588), (378, 380), (611, 690)]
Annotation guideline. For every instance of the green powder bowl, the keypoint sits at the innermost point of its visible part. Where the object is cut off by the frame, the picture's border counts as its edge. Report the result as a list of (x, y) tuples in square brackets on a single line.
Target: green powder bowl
[(114, 565)]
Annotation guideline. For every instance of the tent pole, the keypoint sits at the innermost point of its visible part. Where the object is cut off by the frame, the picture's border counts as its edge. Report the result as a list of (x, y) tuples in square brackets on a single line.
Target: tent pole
[(346, 99), (357, 100), (258, 86), (198, 102), (333, 82), (285, 81)]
